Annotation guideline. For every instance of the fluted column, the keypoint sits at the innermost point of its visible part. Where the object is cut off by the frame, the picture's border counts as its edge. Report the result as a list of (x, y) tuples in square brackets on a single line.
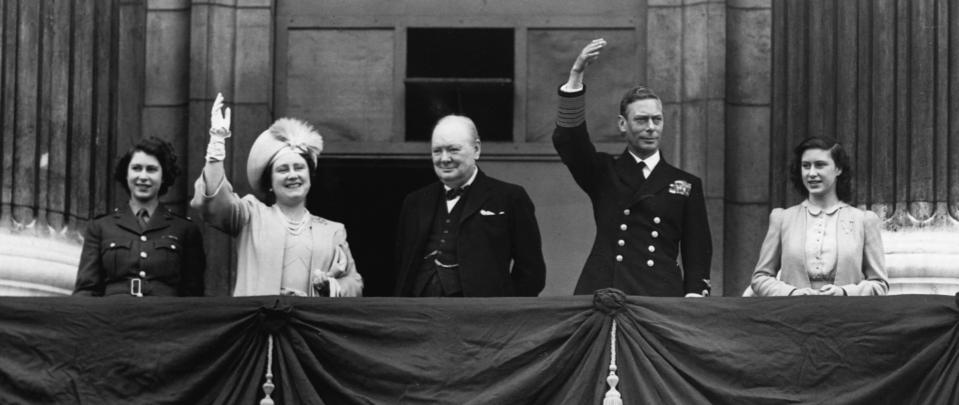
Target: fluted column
[(59, 74)]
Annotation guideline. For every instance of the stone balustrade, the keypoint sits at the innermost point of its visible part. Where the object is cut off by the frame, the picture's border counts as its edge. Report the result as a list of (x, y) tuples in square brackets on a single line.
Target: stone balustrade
[(922, 261), (918, 261), (34, 266)]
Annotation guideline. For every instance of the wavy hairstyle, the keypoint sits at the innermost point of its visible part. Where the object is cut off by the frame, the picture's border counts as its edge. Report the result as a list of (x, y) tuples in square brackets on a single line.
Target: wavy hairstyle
[(635, 94), (839, 156), (158, 148)]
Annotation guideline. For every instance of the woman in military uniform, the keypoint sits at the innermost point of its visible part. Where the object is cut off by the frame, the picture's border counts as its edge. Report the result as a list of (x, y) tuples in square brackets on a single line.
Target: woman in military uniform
[(143, 248)]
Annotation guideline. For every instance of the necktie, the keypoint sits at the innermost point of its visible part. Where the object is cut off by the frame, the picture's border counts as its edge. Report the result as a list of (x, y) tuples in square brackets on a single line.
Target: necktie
[(455, 192), (143, 216), (638, 177)]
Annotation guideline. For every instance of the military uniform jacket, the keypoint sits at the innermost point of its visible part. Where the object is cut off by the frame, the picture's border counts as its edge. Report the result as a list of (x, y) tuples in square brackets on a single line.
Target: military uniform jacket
[(167, 256), (639, 232), (498, 246)]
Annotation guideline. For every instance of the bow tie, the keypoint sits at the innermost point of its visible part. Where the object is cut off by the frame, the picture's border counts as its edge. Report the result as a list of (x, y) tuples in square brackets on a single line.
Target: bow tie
[(455, 192)]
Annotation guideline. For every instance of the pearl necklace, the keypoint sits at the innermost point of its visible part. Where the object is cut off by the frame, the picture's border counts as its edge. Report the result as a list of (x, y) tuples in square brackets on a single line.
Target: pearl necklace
[(296, 227)]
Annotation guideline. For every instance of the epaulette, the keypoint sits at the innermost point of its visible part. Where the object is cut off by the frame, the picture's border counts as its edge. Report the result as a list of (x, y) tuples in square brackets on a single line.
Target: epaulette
[(171, 213), (115, 212)]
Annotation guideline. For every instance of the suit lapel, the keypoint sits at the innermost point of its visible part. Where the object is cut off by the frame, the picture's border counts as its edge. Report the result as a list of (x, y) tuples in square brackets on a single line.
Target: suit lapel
[(478, 192), (659, 178), (625, 167), (846, 232), (126, 220), (161, 219), (427, 209)]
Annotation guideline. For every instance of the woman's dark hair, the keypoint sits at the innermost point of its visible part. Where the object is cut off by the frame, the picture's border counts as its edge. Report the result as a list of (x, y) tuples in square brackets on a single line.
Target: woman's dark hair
[(839, 156), (158, 148), (266, 178)]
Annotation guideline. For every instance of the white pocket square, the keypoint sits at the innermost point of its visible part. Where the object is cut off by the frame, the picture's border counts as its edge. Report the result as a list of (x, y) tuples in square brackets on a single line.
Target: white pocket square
[(485, 212)]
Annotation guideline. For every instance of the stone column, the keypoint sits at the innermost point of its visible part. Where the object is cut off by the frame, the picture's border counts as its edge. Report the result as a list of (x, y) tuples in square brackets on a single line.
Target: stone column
[(748, 113), (686, 65)]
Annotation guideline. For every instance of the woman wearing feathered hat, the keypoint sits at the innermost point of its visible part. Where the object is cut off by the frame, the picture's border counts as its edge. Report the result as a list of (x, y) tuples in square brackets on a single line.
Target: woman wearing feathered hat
[(281, 247)]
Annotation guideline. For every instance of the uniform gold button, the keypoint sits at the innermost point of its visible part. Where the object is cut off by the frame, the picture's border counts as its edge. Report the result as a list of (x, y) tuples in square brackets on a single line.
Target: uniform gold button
[(143, 238), (621, 242), (650, 263), (655, 234), (113, 244), (656, 220), (143, 255), (652, 248), (626, 211), (143, 274), (622, 227), (172, 247), (619, 258)]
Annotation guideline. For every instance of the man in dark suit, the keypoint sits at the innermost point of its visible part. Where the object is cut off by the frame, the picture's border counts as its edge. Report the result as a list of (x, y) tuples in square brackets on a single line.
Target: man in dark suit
[(468, 235), (646, 210)]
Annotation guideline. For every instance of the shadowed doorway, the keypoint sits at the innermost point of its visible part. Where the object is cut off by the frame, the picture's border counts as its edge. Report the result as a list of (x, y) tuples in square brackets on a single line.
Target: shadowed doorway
[(366, 196)]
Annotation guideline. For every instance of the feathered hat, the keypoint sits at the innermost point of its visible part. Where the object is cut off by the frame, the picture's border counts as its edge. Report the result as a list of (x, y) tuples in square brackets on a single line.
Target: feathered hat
[(297, 135)]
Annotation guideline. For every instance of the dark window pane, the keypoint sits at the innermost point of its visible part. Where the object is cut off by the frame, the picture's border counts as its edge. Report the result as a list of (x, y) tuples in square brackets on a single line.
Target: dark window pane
[(467, 71), (459, 52), (490, 105)]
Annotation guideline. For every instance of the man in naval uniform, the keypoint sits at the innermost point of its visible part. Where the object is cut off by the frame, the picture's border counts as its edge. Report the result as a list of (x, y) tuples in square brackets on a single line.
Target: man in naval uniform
[(646, 210), (468, 235)]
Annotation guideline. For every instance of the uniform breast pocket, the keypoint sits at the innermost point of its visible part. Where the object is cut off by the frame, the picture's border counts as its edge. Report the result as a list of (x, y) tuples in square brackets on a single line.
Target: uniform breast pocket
[(113, 252), (169, 255)]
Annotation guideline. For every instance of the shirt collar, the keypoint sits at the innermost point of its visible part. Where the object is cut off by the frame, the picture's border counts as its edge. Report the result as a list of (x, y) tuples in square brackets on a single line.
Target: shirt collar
[(815, 211), (650, 162), (468, 182), (151, 208)]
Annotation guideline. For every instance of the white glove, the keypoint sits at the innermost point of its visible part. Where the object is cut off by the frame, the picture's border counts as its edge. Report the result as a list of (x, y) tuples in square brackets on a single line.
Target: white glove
[(219, 131)]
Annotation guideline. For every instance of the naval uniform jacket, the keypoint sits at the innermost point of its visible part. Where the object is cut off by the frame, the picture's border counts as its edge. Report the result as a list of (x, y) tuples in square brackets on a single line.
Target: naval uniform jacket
[(167, 256), (498, 247), (639, 232)]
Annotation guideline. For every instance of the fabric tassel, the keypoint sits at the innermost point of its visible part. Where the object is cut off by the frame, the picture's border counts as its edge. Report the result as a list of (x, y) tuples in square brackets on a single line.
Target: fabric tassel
[(268, 385), (613, 397)]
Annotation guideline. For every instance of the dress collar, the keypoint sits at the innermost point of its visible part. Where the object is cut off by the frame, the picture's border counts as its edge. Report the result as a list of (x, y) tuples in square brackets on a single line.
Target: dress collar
[(816, 211)]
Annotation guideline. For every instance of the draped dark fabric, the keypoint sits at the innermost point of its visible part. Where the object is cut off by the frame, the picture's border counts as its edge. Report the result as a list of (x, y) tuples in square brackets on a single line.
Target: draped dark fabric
[(794, 350)]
